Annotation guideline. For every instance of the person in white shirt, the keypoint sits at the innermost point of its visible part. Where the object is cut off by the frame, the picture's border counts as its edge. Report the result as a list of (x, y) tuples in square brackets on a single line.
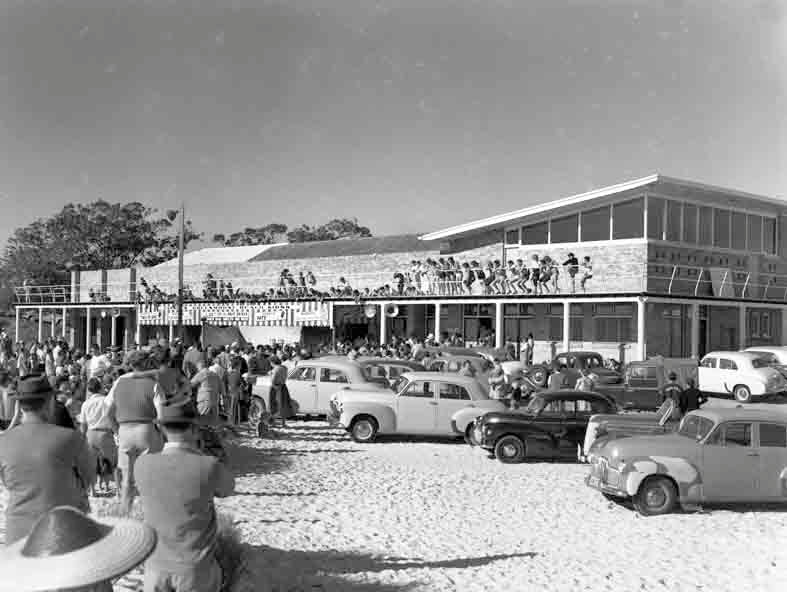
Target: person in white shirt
[(98, 362)]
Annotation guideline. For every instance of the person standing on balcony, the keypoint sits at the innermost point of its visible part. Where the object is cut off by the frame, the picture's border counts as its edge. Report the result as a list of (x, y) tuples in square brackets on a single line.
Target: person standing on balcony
[(535, 274), (587, 271), (572, 267)]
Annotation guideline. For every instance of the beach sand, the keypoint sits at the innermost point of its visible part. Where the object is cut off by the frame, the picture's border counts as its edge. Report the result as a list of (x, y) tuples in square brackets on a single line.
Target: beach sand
[(319, 512)]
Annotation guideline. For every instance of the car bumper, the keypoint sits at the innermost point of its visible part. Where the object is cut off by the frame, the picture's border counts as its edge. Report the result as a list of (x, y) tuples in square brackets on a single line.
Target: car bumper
[(596, 483)]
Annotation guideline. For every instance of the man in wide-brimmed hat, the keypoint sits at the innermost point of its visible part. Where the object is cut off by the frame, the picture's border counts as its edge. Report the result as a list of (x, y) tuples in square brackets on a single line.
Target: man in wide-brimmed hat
[(65, 549), (42, 465), (177, 487)]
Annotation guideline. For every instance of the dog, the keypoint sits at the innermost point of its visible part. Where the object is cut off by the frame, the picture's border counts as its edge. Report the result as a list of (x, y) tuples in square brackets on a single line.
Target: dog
[(105, 474)]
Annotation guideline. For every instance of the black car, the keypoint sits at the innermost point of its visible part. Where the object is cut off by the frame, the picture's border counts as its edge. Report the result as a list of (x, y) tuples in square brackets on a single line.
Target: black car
[(551, 426), (574, 362)]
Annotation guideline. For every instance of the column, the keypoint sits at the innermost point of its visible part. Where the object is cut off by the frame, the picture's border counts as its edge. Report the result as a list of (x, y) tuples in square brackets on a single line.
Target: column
[(99, 326), (52, 324), (171, 333), (87, 330), (437, 312), (694, 311), (566, 325), (40, 323), (499, 341), (138, 333), (113, 331), (383, 323), (641, 346), (742, 326), (16, 332), (65, 316)]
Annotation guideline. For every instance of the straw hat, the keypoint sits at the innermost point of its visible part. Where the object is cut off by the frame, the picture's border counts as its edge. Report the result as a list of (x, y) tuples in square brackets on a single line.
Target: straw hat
[(32, 388), (67, 549)]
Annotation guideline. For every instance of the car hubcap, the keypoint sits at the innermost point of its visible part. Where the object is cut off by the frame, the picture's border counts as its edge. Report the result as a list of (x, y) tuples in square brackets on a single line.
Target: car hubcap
[(363, 430), (509, 450), (655, 498)]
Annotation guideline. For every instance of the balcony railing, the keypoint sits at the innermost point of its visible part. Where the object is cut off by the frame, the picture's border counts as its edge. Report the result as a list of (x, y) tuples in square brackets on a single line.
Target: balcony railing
[(653, 277)]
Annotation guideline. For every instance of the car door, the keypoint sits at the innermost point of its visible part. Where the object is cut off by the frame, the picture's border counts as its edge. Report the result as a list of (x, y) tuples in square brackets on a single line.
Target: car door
[(707, 375), (416, 408), (727, 375), (772, 438), (302, 384), (730, 464), (450, 399), (577, 413), (544, 440), (331, 380), (641, 388)]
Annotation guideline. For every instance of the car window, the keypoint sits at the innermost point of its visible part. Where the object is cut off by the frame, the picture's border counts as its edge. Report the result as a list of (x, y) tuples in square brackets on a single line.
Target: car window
[(555, 407), (396, 371), (583, 407), (563, 361), (643, 376), (600, 406), (725, 364), (375, 371), (332, 375), (303, 373), (773, 435), (708, 363), (419, 388), (453, 392), (764, 361), (732, 435), (696, 427), (594, 362)]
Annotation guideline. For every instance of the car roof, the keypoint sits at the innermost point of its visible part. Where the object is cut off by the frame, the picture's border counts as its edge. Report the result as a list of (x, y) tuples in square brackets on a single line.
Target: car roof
[(408, 363), (555, 394), (579, 354), (337, 362), (452, 376), (732, 355), (718, 414), (768, 349)]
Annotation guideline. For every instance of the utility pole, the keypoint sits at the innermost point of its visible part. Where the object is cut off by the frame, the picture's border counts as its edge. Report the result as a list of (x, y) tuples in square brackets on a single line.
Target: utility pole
[(181, 241)]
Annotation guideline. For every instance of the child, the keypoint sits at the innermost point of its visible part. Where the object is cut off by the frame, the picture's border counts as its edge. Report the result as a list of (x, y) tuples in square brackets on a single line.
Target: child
[(587, 271)]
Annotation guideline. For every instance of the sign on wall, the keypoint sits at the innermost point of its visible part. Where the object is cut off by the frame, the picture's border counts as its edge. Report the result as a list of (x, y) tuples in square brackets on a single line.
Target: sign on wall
[(249, 314)]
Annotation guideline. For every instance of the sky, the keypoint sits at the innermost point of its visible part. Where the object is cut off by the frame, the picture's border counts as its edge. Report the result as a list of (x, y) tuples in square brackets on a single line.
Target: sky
[(411, 115)]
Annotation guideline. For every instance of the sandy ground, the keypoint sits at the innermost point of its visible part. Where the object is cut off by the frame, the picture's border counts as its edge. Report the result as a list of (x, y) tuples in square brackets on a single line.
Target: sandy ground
[(319, 512)]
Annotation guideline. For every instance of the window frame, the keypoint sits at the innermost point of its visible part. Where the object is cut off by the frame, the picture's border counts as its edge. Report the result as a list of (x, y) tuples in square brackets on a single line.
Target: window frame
[(761, 424), (327, 369), (406, 390), (456, 386)]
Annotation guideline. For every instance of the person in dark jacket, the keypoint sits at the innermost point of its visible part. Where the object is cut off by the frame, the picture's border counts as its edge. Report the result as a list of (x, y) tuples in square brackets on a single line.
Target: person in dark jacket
[(279, 397), (692, 398), (672, 391)]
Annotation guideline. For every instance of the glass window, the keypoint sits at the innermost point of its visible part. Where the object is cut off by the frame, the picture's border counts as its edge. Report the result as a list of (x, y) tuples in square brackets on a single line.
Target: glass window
[(583, 407), (738, 240), (673, 221), (773, 435), (655, 218), (755, 234), (628, 219), (471, 310), (564, 230), (706, 226), (725, 364), (512, 237), (419, 388), (535, 234), (769, 235), (554, 407), (397, 371), (453, 392), (689, 223), (595, 224), (721, 229), (737, 434), (375, 371), (510, 310), (332, 375), (708, 363), (303, 373), (486, 310), (697, 427)]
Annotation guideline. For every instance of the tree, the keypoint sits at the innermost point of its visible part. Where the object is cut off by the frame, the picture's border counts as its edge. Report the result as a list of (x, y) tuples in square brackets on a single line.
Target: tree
[(99, 235), (335, 229), (264, 235)]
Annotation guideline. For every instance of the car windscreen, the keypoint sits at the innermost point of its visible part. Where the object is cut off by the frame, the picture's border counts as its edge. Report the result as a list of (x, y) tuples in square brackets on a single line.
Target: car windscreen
[(594, 362), (399, 384), (695, 427)]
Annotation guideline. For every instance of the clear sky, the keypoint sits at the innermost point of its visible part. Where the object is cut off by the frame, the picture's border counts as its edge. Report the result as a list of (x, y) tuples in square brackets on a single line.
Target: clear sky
[(410, 115)]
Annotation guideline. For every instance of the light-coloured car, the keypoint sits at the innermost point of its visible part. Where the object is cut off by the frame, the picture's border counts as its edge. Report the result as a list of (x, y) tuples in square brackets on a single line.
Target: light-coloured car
[(389, 368), (716, 456), (741, 374), (776, 354), (419, 403), (312, 382)]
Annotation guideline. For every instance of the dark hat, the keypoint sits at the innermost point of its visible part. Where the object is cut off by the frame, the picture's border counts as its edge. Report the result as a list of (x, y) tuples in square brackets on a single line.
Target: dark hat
[(33, 388), (177, 410), (673, 376), (67, 549)]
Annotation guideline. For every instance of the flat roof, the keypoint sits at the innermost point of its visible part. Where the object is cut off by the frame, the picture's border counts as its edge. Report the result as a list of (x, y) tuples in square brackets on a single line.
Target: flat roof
[(580, 198)]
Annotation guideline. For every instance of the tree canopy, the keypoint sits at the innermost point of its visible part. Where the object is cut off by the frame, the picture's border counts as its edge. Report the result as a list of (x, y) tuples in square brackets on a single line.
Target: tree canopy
[(337, 228), (98, 235)]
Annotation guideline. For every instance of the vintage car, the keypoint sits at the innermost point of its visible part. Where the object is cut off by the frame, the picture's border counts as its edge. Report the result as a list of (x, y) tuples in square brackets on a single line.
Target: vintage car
[(312, 382), (603, 428), (574, 361), (642, 381), (776, 354), (720, 455), (389, 368), (551, 426), (741, 374), (419, 403)]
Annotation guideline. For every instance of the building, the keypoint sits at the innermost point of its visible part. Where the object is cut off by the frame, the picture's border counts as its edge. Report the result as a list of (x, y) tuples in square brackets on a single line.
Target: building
[(678, 268)]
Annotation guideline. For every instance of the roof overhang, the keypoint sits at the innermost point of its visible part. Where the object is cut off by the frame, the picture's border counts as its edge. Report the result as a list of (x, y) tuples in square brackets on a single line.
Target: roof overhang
[(502, 220)]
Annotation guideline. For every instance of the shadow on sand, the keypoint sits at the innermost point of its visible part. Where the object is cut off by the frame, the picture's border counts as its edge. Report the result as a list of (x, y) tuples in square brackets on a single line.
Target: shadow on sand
[(247, 460), (278, 569)]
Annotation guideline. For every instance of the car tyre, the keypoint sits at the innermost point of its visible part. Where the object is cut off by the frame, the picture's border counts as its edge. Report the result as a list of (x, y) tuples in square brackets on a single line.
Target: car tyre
[(469, 434), (363, 429), (742, 393), (510, 450), (539, 375), (656, 496)]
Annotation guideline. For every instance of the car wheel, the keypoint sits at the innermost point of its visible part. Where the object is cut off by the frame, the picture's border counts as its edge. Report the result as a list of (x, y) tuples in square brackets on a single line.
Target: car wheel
[(539, 376), (656, 496), (363, 429), (469, 434), (742, 393), (510, 449)]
